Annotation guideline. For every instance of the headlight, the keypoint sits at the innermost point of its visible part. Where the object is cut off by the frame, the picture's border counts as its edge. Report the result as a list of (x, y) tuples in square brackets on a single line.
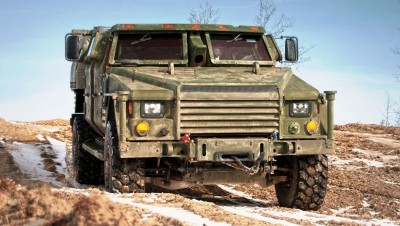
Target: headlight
[(152, 109), (300, 109)]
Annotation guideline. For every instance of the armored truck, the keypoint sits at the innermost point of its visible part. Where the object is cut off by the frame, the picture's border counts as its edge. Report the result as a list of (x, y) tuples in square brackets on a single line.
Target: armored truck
[(175, 105)]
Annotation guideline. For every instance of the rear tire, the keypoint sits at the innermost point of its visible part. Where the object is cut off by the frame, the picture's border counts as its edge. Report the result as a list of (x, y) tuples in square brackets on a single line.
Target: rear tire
[(120, 175), (306, 186), (87, 168)]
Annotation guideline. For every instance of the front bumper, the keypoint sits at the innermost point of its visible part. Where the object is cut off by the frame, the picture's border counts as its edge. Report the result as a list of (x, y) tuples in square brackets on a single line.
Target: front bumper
[(215, 149)]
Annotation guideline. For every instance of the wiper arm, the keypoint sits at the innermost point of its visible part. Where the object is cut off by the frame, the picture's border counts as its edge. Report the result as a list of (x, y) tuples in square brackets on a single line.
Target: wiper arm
[(142, 39), (126, 62), (237, 38)]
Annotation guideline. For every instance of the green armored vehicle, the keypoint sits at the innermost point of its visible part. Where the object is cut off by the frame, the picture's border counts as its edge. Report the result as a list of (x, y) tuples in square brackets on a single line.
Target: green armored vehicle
[(175, 105)]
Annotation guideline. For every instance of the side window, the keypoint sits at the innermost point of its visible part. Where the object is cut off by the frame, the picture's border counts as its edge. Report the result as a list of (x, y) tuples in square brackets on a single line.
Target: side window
[(91, 44)]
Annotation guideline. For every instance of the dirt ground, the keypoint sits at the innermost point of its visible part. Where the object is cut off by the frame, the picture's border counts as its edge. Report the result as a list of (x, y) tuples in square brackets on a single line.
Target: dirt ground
[(35, 186)]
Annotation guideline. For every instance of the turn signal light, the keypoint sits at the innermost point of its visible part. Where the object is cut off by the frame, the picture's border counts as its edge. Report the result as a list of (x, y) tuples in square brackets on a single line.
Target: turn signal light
[(142, 128), (312, 127)]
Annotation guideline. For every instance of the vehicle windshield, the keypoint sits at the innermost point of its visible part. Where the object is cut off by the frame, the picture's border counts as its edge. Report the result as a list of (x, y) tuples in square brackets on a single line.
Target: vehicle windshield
[(149, 47), (239, 47)]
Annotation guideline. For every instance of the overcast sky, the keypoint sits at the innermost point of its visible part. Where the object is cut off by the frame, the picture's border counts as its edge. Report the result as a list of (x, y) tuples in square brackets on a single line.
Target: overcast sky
[(352, 54)]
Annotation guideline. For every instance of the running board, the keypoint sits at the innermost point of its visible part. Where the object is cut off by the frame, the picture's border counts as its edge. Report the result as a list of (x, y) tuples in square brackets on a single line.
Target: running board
[(94, 148)]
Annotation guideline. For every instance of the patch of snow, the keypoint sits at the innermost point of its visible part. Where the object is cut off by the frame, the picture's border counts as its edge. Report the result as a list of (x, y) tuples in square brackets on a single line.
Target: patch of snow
[(241, 194), (390, 182), (316, 217), (256, 213), (385, 158), (146, 216), (233, 191), (49, 129), (250, 213), (176, 213), (28, 159), (71, 190), (370, 162), (365, 203), (59, 149), (339, 188), (388, 158), (373, 213), (367, 152), (14, 122), (149, 200), (342, 210), (341, 162), (40, 137)]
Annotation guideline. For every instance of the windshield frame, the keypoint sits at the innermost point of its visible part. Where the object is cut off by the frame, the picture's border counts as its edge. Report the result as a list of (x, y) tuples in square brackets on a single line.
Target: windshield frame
[(237, 62), (113, 51)]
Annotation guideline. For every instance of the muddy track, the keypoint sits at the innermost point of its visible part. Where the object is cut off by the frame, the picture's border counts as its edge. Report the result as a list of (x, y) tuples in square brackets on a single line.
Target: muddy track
[(9, 169), (364, 187)]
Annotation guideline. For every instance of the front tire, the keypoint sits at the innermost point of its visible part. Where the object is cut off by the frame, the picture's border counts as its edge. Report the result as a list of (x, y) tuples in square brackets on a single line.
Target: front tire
[(306, 186), (86, 167), (120, 175)]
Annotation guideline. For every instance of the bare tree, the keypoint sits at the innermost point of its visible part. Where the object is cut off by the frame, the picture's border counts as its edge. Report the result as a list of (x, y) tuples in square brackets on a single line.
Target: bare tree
[(396, 51), (276, 25), (396, 114), (397, 117), (266, 18), (388, 110), (206, 14)]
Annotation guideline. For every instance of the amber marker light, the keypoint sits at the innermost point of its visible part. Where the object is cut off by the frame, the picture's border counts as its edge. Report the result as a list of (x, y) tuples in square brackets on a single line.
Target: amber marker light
[(142, 128), (223, 27), (129, 26), (196, 26), (168, 26), (254, 28), (312, 127)]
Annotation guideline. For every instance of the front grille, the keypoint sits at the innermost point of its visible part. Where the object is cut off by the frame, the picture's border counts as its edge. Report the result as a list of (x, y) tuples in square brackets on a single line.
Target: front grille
[(229, 116), (240, 89)]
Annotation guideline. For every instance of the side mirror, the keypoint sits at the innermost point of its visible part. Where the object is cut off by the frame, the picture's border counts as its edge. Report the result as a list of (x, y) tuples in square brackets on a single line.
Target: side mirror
[(291, 50), (72, 48)]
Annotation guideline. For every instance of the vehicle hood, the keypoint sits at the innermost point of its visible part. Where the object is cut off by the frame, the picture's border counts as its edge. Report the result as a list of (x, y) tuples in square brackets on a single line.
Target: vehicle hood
[(159, 84)]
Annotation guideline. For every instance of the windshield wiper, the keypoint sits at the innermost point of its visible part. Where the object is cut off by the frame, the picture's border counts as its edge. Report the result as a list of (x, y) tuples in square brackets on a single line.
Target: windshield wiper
[(126, 62), (237, 38), (142, 39)]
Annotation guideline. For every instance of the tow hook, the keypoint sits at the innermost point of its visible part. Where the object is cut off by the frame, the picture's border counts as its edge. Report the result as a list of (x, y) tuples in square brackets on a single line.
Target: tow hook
[(240, 166)]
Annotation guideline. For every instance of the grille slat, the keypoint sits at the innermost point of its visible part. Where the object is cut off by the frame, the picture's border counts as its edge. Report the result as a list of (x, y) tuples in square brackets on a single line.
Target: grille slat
[(229, 117), (227, 124), (221, 104), (250, 130), (228, 111)]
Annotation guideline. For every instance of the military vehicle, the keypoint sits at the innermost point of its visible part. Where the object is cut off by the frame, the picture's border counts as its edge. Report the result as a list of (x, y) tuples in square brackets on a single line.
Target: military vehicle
[(175, 105)]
